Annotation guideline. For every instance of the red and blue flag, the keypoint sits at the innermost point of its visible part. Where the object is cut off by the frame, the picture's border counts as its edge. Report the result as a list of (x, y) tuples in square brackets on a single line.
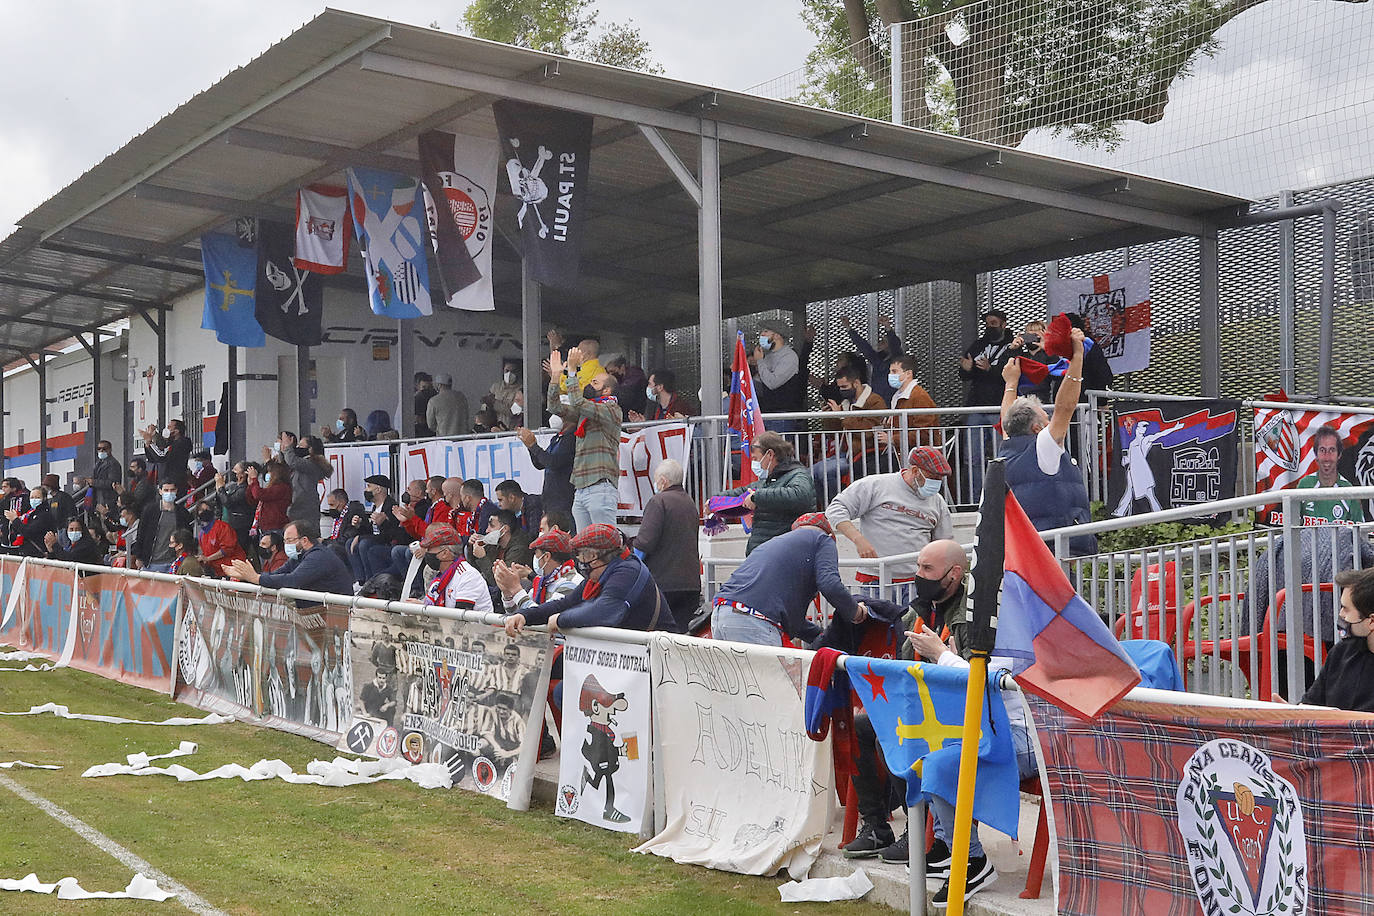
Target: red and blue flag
[(745, 418)]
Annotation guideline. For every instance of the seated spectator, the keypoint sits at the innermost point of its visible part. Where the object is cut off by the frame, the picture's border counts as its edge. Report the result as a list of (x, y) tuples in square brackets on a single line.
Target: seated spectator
[(506, 397), (123, 539), (906, 432), (458, 584), (82, 548), (345, 428), (663, 400), (556, 461), (878, 358), (668, 543), (379, 426), (618, 591), (528, 509), (414, 497), (269, 493), (184, 563), (503, 541), (219, 545), (782, 494), (272, 551), (1346, 680), (556, 574), (309, 565), (370, 552), (848, 453), (29, 528), (159, 521), (767, 597), (475, 509)]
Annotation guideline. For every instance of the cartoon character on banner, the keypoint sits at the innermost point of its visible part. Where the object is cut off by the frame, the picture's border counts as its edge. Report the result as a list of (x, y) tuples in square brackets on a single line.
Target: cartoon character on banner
[(600, 749), (1140, 479)]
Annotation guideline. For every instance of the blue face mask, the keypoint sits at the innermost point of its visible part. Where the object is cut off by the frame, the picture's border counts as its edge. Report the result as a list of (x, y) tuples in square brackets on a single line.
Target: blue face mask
[(292, 551), (765, 342), (266, 480), (930, 487), (73, 536), (34, 503), (339, 425), (894, 380)]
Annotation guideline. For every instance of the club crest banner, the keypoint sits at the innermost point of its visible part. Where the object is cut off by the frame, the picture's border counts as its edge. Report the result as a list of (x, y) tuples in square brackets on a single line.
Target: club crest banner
[(547, 153), (435, 690), (259, 658), (1162, 807), (1287, 455), (603, 775), (745, 789), (1168, 455), (322, 229), (1116, 309), (460, 195), (388, 219)]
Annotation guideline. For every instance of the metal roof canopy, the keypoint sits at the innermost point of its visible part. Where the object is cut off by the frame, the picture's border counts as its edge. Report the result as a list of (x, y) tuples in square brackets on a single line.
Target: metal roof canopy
[(703, 203)]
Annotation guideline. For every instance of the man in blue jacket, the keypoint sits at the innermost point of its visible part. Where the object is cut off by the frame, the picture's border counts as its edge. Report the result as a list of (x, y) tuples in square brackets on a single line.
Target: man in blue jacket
[(311, 564), (617, 590), (767, 596)]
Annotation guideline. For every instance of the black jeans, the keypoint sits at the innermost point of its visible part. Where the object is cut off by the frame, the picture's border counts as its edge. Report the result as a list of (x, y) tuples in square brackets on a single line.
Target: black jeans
[(878, 793)]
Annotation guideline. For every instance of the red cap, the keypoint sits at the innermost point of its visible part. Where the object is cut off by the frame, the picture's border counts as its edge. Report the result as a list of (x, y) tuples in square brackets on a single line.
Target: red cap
[(598, 537), (440, 535), (555, 541), (929, 460)]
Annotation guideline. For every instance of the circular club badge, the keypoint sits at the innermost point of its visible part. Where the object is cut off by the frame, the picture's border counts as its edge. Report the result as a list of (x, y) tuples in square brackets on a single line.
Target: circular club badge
[(484, 774), (388, 742), (359, 737), (413, 747), (1242, 826)]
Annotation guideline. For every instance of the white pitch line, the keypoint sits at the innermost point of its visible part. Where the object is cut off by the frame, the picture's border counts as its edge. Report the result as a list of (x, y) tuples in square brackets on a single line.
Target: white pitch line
[(187, 897)]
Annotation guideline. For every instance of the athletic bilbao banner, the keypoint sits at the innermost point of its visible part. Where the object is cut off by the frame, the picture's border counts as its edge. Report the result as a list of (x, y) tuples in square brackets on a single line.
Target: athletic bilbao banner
[(1296, 448), (460, 193), (1166, 455), (603, 774), (1172, 808), (435, 690), (744, 788), (1116, 309), (547, 153), (259, 658)]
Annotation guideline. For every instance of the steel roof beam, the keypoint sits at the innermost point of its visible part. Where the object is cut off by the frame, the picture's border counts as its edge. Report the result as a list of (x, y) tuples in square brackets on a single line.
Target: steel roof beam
[(246, 138), (59, 289), (1107, 241), (214, 203), (127, 243), (133, 260)]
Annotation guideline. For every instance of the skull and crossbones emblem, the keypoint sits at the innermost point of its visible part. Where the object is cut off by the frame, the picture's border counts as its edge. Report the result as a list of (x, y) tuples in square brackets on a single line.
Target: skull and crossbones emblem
[(526, 184)]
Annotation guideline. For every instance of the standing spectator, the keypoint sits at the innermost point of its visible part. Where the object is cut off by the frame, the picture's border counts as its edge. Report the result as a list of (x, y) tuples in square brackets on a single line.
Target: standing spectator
[(269, 493), (979, 366), (667, 542), (232, 493), (272, 551), (153, 548), (502, 395), (502, 541), (309, 468), (767, 597), (905, 433), (587, 369), (170, 450), (855, 454), (879, 358), (140, 489), (81, 547), (889, 514), (346, 428), (556, 461), (528, 509), (664, 401), (630, 386), (219, 544), (378, 426), (782, 494), (306, 564), (1047, 484), (447, 413), (1030, 344), (595, 415), (104, 476), (61, 504), (780, 384), (424, 390), (202, 473)]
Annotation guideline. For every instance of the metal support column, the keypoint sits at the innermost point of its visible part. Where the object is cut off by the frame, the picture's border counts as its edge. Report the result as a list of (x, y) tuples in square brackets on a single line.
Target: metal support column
[(163, 370), (40, 366), (1209, 315), (709, 277), (531, 334), (405, 379), (93, 428), (1328, 305), (1288, 350), (895, 71), (871, 315), (3, 416), (303, 399)]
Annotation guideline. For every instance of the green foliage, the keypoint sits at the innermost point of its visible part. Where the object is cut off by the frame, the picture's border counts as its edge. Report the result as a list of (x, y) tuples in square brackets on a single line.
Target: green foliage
[(1158, 534), (566, 27)]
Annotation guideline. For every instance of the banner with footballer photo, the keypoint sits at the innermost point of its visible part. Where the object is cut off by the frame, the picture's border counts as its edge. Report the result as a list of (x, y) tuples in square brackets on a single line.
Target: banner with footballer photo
[(1166, 455), (1297, 448)]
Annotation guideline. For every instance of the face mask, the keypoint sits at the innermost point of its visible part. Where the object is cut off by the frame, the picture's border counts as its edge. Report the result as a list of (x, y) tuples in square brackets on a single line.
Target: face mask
[(765, 342), (845, 393), (894, 380), (555, 422), (339, 425), (492, 538), (207, 517), (197, 465), (509, 377), (996, 334), (405, 498), (589, 392), (73, 536), (169, 497), (930, 487), (649, 393), (929, 589), (166, 432), (757, 467), (102, 455), (34, 503), (266, 480), (541, 561), (516, 410), (584, 569), (292, 551)]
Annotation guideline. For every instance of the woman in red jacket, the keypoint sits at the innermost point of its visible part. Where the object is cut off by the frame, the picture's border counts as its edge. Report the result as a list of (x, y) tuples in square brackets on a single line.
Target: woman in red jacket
[(269, 494), (219, 545)]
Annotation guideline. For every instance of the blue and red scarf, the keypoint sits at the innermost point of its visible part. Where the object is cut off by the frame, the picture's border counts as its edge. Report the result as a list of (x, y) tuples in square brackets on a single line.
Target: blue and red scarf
[(540, 587), (581, 431), (434, 595)]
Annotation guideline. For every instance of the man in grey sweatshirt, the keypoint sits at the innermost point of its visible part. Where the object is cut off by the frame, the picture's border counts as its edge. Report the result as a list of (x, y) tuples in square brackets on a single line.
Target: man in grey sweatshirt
[(898, 513)]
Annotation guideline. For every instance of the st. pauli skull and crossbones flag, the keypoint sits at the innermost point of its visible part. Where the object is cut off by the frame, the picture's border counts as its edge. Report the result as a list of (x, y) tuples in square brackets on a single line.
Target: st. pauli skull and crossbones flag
[(290, 300), (546, 153)]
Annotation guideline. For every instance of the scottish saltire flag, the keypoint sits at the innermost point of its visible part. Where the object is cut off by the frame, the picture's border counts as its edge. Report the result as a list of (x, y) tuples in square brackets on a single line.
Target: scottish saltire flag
[(1061, 649), (389, 220), (917, 711), (231, 269), (745, 417)]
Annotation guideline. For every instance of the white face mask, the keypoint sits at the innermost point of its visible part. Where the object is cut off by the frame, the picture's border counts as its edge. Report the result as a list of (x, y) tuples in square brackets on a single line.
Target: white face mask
[(758, 468), (266, 480), (650, 393), (555, 422), (166, 432), (197, 465), (930, 487), (102, 455), (492, 538), (169, 497), (515, 409), (509, 377)]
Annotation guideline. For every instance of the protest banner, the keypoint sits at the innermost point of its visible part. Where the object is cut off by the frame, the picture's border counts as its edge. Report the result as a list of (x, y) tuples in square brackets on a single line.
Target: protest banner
[(1314, 448), (640, 452), (435, 690), (744, 788), (1162, 806), (352, 465), (1171, 454), (258, 657), (603, 774)]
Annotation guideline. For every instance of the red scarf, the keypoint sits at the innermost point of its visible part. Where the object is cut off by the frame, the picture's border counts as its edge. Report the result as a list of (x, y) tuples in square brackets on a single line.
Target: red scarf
[(435, 593), (338, 523), (581, 432), (542, 584)]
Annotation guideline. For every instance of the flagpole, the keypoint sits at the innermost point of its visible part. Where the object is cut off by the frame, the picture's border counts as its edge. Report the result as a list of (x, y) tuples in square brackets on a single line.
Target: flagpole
[(968, 772)]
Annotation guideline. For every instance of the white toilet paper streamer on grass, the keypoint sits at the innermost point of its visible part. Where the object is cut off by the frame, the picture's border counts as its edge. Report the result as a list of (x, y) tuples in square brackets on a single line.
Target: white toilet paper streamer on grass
[(63, 712), (140, 888), (24, 763), (337, 773), (826, 889)]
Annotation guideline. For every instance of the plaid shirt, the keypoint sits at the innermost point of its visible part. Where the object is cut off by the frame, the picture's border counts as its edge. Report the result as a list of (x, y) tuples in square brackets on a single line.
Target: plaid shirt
[(598, 451), (1114, 785)]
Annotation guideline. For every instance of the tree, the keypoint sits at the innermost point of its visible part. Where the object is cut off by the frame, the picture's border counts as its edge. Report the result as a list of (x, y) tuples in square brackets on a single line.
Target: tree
[(997, 69), (563, 27)]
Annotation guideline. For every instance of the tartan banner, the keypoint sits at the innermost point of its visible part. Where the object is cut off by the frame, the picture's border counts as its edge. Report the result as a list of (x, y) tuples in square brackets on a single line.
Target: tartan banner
[(1162, 807)]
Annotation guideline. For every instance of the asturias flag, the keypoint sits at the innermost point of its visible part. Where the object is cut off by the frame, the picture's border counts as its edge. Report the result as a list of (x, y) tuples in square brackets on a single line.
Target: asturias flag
[(917, 711), (231, 270), (745, 416), (1061, 649)]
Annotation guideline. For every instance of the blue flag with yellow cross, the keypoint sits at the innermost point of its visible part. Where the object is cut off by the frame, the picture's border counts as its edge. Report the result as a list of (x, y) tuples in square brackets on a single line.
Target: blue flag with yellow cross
[(231, 268), (917, 711)]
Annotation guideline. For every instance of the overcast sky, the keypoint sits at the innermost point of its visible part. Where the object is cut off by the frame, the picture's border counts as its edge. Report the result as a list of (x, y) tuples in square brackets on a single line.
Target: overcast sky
[(79, 78)]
